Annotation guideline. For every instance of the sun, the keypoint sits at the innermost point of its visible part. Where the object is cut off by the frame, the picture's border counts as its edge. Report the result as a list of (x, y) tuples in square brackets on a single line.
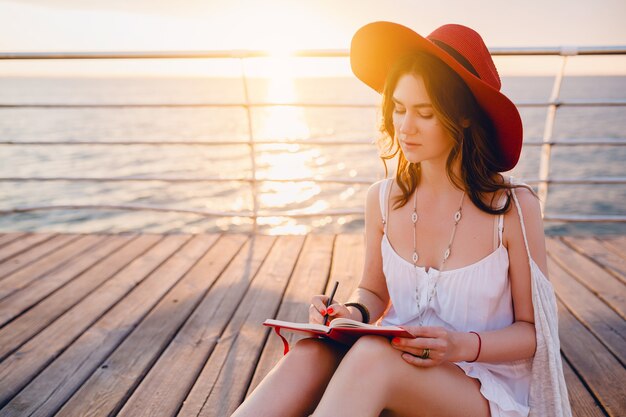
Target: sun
[(282, 122)]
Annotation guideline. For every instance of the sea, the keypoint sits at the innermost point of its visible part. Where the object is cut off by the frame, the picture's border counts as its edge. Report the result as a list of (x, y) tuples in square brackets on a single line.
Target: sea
[(185, 120)]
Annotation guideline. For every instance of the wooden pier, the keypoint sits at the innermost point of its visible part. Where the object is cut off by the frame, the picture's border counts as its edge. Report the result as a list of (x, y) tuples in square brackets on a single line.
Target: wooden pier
[(170, 325)]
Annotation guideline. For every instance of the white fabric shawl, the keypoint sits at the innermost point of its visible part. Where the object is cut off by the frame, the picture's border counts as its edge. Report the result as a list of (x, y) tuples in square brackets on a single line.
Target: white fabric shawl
[(548, 392)]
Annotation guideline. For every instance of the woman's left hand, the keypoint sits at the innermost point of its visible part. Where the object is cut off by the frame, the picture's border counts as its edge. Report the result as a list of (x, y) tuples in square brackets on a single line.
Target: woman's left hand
[(437, 344)]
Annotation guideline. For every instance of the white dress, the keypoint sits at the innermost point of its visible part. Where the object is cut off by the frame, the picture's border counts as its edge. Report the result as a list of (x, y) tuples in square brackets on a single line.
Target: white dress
[(474, 297)]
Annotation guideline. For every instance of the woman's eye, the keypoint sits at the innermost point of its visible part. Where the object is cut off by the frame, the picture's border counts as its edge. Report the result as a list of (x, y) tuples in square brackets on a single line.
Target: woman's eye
[(398, 111), (426, 116)]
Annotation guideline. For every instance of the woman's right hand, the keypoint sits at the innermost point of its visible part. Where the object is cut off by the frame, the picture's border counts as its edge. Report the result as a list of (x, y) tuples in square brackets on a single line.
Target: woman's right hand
[(317, 310)]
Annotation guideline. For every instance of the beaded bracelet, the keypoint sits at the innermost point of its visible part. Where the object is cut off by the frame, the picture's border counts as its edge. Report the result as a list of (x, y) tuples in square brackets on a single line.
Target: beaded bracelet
[(479, 346), (364, 311)]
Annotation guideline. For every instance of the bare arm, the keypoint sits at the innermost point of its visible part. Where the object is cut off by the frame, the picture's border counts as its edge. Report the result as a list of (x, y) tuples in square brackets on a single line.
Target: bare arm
[(372, 289), (518, 340)]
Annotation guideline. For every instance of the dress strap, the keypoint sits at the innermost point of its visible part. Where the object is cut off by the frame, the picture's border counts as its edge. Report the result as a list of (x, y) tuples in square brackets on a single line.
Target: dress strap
[(498, 224), (501, 219), (521, 219), (384, 185)]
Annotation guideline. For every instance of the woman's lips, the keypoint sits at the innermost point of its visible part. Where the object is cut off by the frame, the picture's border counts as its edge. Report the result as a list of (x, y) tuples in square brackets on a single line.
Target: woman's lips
[(411, 144)]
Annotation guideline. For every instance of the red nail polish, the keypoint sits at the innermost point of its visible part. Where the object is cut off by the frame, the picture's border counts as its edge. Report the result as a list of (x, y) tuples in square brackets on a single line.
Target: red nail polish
[(395, 340), (323, 311), (331, 311)]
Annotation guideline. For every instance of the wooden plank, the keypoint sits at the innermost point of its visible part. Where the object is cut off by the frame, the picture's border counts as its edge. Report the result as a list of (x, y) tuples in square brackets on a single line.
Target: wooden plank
[(595, 279), (44, 313), (17, 302), (33, 252), (25, 243), (114, 380), (241, 342), (310, 277), (593, 383), (347, 264), (615, 243), (168, 382), (603, 322), (601, 371), (592, 248), (47, 264), (582, 402), (6, 238), (27, 362)]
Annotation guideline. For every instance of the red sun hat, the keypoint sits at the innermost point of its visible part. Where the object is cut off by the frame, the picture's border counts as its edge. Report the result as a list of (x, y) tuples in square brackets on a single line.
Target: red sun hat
[(378, 45)]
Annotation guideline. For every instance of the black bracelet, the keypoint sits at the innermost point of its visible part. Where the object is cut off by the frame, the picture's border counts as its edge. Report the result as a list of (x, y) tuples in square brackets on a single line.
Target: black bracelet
[(364, 311)]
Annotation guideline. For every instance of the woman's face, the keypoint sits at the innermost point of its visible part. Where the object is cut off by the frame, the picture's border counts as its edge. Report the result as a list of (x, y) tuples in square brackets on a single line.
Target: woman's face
[(418, 130)]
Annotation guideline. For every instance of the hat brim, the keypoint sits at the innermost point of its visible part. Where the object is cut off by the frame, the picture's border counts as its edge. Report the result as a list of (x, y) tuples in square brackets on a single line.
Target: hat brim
[(378, 45)]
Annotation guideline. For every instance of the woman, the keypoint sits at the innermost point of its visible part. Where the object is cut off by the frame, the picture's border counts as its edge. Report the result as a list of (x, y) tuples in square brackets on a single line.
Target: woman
[(455, 254)]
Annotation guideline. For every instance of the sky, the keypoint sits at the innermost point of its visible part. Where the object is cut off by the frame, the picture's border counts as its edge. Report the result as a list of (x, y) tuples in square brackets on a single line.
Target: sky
[(149, 25)]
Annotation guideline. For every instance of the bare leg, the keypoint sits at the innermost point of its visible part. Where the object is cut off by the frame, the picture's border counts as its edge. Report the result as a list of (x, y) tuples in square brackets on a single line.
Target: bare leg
[(373, 378), (295, 385)]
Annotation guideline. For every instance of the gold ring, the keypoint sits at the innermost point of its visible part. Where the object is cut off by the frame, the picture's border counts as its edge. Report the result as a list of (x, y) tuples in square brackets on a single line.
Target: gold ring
[(425, 354)]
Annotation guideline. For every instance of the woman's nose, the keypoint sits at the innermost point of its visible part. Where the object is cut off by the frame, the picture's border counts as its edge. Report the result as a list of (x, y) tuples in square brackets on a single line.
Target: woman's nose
[(407, 125)]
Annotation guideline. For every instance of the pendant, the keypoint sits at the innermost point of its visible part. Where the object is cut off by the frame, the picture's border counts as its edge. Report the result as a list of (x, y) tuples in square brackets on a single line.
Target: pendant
[(415, 257), (414, 217)]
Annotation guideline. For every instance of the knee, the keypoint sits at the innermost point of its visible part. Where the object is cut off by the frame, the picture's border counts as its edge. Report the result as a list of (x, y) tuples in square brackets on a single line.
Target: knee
[(314, 350), (371, 350)]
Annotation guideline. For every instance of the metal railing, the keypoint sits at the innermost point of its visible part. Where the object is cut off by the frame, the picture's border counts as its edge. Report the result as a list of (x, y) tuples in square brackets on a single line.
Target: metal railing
[(546, 143)]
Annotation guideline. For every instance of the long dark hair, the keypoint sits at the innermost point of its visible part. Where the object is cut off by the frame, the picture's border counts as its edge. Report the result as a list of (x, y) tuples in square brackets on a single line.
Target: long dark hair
[(453, 103)]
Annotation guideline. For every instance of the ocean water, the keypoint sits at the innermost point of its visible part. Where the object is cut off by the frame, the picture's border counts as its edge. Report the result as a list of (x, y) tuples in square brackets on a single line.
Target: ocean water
[(99, 125)]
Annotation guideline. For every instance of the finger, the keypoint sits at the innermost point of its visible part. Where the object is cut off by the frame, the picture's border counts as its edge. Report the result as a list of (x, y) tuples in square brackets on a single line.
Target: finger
[(417, 349), (433, 355), (418, 342), (319, 304), (426, 331), (414, 360), (314, 315), (317, 299), (338, 309)]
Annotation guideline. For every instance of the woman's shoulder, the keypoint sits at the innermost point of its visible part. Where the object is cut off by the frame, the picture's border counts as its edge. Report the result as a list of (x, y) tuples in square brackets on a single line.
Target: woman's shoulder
[(375, 189), (373, 193), (526, 203), (527, 199), (521, 189)]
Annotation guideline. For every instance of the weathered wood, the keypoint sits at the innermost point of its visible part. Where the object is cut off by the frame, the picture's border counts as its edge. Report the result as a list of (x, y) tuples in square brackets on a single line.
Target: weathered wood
[(594, 250), (65, 372), (593, 277), (603, 322), (615, 243), (27, 242), (347, 265), (48, 310), (310, 277), (17, 302), (241, 343), (168, 382), (583, 404), (6, 238), (600, 370), (177, 322), (26, 251), (234, 290), (43, 266), (102, 394)]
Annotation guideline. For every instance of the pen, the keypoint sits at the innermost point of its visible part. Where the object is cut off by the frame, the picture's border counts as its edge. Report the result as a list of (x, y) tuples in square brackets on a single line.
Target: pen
[(330, 299)]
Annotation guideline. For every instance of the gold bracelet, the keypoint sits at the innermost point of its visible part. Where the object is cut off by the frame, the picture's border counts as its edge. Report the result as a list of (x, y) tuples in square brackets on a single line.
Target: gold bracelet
[(365, 313)]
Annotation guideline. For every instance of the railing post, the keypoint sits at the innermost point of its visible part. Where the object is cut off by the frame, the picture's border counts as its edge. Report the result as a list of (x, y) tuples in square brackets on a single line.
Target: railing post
[(251, 147), (548, 131)]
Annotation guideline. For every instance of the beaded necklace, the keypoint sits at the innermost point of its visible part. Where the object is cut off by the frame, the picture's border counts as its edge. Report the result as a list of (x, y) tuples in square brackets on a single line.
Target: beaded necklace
[(446, 255)]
